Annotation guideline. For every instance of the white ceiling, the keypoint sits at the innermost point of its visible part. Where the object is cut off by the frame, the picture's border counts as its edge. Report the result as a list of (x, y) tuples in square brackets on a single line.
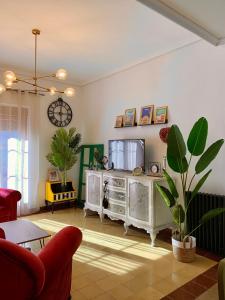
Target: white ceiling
[(203, 17), (90, 38)]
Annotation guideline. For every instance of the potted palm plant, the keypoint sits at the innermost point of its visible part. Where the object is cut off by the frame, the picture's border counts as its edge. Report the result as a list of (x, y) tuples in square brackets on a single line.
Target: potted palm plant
[(65, 146), (183, 242)]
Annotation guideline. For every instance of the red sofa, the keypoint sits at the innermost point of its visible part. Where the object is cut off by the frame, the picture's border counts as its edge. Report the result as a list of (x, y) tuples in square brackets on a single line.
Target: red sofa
[(8, 204), (46, 276)]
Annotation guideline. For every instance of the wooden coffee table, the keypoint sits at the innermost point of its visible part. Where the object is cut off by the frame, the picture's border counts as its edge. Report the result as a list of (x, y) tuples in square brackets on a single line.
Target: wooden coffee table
[(23, 231)]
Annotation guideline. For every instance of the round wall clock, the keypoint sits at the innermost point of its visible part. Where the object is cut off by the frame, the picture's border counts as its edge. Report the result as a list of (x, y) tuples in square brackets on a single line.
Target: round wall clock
[(60, 113)]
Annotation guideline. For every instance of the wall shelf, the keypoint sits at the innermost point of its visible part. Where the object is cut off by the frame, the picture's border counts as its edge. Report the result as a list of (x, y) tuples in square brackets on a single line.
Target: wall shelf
[(136, 125)]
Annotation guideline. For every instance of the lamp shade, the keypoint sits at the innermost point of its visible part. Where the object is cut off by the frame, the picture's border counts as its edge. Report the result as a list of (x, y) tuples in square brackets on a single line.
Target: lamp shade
[(61, 74), (2, 88), (9, 76), (69, 92)]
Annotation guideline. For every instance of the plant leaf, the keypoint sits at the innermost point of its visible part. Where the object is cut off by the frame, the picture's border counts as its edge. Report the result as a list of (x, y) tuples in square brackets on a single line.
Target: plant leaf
[(166, 195), (212, 214), (208, 156), (199, 184), (175, 143), (171, 184), (197, 138), (177, 165), (178, 214)]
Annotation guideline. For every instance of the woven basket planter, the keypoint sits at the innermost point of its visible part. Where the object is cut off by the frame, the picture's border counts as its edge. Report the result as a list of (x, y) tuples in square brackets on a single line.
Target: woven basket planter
[(184, 251)]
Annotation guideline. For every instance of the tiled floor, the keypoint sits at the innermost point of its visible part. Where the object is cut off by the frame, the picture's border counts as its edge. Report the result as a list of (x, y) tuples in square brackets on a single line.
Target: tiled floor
[(111, 266)]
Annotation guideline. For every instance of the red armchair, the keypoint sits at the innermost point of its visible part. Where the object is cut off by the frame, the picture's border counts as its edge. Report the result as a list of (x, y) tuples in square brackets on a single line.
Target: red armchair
[(47, 276), (8, 204)]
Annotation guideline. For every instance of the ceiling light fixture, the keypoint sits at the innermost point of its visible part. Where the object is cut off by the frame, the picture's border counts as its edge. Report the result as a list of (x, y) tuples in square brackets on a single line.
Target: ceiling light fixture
[(61, 74)]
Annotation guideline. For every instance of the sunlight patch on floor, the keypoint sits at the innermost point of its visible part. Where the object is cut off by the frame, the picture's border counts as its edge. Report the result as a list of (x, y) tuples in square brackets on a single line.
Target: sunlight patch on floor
[(108, 262), (109, 241), (50, 225)]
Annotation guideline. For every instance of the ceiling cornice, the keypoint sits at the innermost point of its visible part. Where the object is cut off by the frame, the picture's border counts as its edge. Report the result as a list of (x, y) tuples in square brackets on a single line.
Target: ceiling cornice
[(146, 60), (183, 20)]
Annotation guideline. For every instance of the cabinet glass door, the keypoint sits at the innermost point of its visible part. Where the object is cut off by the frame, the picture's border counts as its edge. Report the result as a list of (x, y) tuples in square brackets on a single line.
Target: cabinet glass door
[(94, 189), (138, 205)]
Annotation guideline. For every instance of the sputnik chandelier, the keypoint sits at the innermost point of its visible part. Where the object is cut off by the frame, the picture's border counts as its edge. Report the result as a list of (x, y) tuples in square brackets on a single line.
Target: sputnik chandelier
[(11, 78)]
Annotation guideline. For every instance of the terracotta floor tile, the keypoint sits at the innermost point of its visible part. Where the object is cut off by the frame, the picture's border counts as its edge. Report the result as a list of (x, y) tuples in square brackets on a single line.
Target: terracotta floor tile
[(193, 288), (212, 272), (210, 294), (181, 294), (204, 281)]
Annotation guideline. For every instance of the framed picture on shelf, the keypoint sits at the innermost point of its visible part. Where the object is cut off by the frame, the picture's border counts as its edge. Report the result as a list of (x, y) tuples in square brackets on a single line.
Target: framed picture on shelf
[(146, 115), (154, 169), (53, 175), (129, 117), (161, 115), (119, 121)]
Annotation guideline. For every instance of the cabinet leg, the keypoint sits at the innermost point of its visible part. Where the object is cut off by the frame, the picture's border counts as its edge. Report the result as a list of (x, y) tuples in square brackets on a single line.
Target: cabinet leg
[(101, 215), (126, 227), (153, 235), (85, 212)]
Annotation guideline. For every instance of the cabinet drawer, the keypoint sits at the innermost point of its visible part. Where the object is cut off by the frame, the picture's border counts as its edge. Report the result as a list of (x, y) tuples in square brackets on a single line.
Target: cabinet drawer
[(117, 182), (115, 208), (116, 195)]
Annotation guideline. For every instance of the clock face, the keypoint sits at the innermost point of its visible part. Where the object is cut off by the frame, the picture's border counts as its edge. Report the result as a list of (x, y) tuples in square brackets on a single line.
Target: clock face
[(60, 113)]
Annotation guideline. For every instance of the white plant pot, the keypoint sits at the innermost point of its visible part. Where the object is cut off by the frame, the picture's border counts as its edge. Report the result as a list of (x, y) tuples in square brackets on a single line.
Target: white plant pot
[(184, 251)]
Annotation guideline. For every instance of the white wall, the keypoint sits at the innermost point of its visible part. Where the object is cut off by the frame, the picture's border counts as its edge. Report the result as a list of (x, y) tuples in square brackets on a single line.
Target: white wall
[(191, 81)]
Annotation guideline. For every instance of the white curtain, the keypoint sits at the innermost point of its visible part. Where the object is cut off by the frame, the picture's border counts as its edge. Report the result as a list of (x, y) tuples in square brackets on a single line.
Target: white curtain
[(19, 147)]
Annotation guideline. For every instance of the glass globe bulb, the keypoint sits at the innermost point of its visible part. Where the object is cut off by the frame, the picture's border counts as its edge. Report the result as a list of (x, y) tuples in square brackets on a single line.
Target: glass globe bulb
[(69, 92), (61, 74), (10, 76), (2, 88), (8, 83), (52, 91)]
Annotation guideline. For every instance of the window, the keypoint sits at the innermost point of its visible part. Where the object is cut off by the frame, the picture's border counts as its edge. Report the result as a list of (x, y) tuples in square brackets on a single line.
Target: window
[(14, 149)]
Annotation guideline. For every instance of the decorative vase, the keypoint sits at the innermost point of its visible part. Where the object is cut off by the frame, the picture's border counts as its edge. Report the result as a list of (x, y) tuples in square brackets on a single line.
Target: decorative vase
[(184, 251)]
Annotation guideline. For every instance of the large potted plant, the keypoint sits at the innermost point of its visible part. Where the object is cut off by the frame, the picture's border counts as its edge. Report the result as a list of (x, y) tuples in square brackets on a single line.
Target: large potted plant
[(65, 146), (183, 242)]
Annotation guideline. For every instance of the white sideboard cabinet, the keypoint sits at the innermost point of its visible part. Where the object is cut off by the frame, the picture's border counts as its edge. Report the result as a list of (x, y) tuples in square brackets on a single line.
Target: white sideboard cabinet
[(132, 199)]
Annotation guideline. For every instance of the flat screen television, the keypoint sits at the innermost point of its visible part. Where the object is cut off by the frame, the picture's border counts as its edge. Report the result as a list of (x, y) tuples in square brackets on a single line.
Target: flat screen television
[(127, 154)]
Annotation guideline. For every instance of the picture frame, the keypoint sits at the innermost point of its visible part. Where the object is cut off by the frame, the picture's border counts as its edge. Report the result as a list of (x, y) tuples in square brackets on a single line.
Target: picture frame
[(53, 175), (161, 115), (119, 122), (129, 117), (146, 115), (154, 169)]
